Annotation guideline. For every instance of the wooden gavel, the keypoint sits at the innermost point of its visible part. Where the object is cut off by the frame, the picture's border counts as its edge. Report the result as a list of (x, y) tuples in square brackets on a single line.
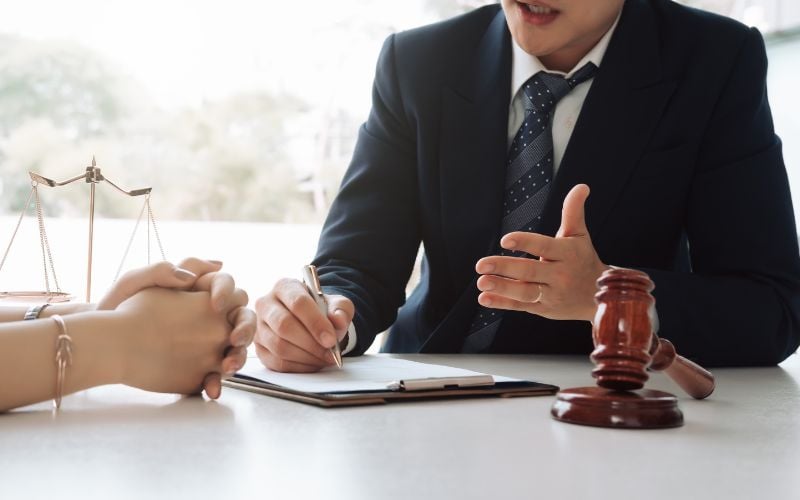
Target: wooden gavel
[(625, 339), (626, 345)]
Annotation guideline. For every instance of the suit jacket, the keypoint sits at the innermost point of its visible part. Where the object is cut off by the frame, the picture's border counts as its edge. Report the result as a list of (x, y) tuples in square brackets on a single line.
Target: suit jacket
[(675, 139)]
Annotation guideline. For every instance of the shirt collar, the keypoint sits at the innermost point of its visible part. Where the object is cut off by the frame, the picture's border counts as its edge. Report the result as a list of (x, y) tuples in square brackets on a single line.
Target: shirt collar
[(524, 65)]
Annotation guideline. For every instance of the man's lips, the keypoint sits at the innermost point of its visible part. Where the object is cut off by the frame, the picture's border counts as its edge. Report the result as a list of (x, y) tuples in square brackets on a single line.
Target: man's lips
[(537, 13)]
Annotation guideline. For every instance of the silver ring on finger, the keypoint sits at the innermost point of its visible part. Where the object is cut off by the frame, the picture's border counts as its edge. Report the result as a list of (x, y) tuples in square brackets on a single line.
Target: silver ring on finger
[(539, 297)]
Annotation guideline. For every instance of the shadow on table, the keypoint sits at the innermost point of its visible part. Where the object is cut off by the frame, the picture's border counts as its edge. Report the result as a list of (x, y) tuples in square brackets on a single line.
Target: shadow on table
[(187, 410)]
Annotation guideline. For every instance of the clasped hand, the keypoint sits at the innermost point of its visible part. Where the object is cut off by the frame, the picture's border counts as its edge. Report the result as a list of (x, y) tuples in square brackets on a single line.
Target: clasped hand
[(561, 283), (188, 336)]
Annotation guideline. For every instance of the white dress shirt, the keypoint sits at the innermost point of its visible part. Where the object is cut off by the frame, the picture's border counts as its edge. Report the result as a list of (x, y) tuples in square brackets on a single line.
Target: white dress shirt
[(524, 66)]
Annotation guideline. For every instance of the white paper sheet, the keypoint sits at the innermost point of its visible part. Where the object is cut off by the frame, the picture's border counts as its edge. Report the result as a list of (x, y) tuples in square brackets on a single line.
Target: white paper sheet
[(362, 373)]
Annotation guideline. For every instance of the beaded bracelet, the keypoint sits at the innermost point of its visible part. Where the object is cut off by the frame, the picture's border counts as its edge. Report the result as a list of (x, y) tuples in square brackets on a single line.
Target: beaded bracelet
[(63, 358)]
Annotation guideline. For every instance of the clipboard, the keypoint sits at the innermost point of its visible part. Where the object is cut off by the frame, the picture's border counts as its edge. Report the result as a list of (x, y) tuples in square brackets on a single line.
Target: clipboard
[(466, 384)]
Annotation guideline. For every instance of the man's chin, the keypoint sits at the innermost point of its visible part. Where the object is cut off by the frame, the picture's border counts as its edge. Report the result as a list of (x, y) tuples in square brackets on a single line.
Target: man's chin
[(537, 49)]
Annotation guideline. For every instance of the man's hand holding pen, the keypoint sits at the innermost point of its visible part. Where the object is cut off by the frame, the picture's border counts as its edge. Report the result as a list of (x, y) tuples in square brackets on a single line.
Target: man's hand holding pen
[(293, 334), (312, 284)]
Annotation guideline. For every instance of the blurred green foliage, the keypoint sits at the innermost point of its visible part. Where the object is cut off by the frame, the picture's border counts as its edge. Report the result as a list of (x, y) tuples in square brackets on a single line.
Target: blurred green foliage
[(222, 160), (255, 156)]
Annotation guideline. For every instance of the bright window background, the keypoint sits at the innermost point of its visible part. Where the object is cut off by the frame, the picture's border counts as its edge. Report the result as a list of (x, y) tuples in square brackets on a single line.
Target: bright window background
[(241, 115)]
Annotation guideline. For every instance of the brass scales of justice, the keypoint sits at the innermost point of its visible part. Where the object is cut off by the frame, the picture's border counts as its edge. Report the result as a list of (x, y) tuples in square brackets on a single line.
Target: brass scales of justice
[(92, 176)]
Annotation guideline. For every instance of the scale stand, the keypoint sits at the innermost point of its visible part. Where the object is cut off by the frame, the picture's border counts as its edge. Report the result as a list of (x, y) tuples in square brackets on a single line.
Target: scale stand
[(92, 176)]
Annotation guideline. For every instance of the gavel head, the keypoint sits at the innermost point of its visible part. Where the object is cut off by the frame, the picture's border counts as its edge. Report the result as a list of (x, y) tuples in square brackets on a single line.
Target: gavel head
[(623, 329)]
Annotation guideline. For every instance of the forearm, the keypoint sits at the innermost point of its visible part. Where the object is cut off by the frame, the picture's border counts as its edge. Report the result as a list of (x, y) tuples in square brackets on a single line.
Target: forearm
[(28, 352), (373, 230), (727, 320), (741, 303), (16, 313)]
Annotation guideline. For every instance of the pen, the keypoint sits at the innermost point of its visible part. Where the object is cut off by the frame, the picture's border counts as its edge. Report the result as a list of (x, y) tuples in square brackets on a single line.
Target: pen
[(311, 281)]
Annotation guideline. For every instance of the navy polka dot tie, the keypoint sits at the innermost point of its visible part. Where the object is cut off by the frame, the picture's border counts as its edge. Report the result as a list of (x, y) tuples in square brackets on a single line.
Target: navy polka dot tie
[(529, 172)]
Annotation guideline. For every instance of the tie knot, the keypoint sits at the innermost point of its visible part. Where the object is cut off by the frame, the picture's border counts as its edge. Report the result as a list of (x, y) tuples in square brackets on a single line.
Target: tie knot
[(544, 90)]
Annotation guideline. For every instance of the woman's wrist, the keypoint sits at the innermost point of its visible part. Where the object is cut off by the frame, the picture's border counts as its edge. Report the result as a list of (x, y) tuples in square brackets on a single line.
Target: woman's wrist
[(123, 333), (66, 309), (102, 337)]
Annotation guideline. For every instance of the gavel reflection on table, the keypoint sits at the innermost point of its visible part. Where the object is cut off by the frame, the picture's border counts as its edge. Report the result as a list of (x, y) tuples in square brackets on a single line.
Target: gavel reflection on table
[(626, 345)]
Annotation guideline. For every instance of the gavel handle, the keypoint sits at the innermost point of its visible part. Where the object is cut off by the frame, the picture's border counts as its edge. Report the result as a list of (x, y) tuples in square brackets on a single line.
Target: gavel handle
[(693, 378)]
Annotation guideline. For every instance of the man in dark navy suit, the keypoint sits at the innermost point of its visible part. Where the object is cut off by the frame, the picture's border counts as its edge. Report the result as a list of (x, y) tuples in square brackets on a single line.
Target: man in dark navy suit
[(486, 134)]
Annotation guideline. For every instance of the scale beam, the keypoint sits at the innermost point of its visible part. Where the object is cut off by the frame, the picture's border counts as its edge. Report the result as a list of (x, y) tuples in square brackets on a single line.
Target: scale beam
[(93, 175)]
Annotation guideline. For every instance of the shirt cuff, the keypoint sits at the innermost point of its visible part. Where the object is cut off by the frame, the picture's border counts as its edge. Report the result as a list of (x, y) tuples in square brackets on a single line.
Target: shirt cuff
[(351, 339)]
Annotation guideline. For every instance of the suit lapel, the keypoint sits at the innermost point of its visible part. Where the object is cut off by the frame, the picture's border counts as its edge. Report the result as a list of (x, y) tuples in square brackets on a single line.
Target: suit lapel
[(472, 152), (618, 117), (472, 159)]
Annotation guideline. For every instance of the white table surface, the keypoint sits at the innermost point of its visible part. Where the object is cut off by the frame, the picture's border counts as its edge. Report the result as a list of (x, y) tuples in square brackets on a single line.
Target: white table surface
[(117, 442)]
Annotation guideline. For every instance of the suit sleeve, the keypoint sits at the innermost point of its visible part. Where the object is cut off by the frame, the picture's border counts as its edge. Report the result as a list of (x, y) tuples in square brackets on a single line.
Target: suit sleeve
[(370, 239), (740, 305)]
